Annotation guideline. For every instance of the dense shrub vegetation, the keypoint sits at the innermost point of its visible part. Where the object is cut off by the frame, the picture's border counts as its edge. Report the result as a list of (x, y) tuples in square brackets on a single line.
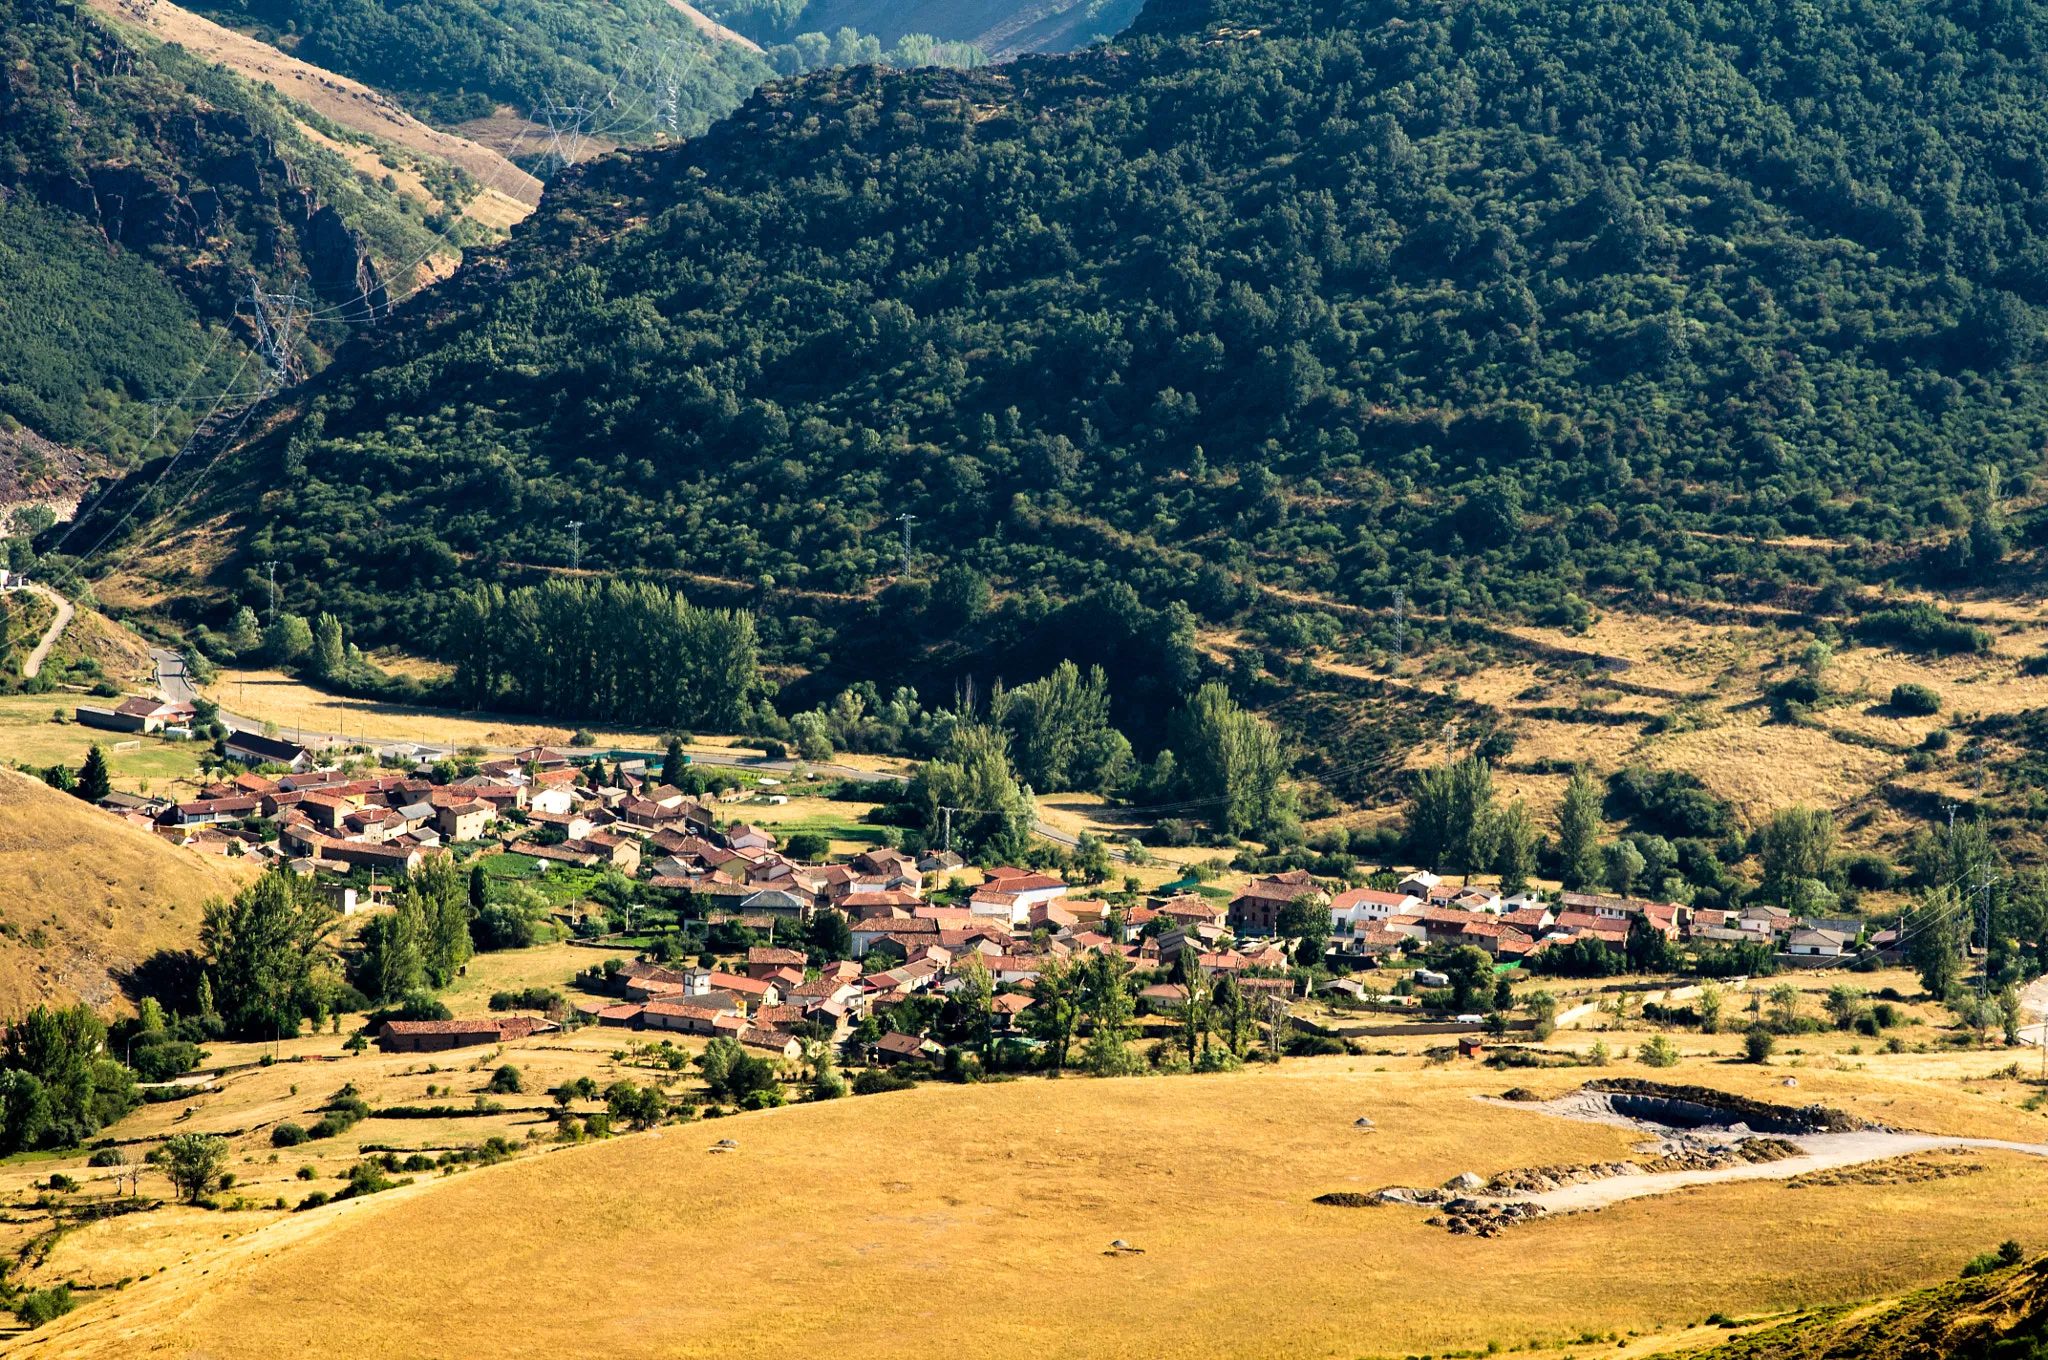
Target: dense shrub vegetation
[(1506, 309)]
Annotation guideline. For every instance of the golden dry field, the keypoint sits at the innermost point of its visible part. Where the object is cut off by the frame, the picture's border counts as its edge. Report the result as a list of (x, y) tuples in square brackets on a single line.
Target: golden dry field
[(980, 1217), (89, 896)]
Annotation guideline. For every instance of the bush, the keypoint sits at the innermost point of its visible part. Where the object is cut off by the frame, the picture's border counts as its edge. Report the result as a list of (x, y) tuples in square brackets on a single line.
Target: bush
[(1922, 628), (876, 1080), (1657, 1051), (164, 1059), (2008, 1254), (45, 1305), (1912, 698), (1758, 1044), (287, 1134), (108, 1157), (505, 1081), (315, 1200), (807, 847), (528, 999)]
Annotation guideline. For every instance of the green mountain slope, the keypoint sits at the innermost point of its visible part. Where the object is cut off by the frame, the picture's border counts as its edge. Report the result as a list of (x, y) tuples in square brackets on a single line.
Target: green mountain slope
[(462, 60), (140, 191), (1504, 309)]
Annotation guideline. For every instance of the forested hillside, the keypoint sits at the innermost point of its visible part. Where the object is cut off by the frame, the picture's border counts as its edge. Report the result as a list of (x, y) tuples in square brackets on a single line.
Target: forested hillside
[(140, 190), (1507, 309), (461, 60)]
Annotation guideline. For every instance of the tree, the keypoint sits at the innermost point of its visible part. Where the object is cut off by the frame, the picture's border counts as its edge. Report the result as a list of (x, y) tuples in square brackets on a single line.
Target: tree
[(1305, 920), (479, 889), (61, 778), (829, 934), (1543, 1010), (245, 634), (1843, 1004), (94, 782), (1471, 973), (330, 654), (1514, 856), (1233, 1014), (288, 638), (194, 1162), (1233, 758), (1194, 988), (975, 996), (1055, 1009), (61, 1088), (1107, 1002), (1935, 948), (1798, 843), (672, 762), (436, 898), (1060, 731), (1708, 1007), (1621, 863), (640, 1106), (393, 961), (1578, 833), (1451, 819), (261, 949), (1784, 1001), (1757, 1044), (1647, 949), (807, 847), (973, 774)]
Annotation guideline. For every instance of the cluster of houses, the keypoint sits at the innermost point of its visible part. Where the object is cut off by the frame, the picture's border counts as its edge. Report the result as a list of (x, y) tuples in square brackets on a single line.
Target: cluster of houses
[(532, 801), (1423, 910), (1015, 923)]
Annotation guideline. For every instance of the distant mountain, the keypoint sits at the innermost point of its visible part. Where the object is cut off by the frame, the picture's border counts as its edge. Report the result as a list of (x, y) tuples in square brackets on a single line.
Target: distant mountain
[(141, 191), (1507, 308), (1000, 28)]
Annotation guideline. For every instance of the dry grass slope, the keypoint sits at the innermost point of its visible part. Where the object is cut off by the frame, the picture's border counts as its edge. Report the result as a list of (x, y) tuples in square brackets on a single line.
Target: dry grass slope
[(88, 896), (887, 1225)]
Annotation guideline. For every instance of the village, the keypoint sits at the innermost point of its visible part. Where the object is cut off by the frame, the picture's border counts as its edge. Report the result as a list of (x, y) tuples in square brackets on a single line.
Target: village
[(914, 925)]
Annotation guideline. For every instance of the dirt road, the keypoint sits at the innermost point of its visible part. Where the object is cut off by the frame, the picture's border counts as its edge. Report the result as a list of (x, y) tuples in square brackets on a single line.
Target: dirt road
[(34, 664)]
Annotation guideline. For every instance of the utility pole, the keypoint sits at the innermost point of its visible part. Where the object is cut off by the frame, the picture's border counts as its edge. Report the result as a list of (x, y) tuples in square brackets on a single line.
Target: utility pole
[(906, 520), (1400, 625), (271, 567), (575, 544)]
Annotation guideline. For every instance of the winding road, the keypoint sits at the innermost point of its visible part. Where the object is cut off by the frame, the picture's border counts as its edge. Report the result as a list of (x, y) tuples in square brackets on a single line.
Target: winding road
[(34, 665)]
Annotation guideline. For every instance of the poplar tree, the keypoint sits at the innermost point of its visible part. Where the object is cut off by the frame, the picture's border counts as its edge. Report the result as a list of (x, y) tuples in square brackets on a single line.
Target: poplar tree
[(1578, 833)]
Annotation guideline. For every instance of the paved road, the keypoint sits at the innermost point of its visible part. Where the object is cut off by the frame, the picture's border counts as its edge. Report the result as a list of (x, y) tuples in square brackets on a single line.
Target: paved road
[(34, 663)]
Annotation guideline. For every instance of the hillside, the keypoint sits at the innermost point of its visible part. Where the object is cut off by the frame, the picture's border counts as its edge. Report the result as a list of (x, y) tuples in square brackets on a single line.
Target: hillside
[(144, 188), (89, 897), (876, 1226), (2004, 1313), (506, 194), (639, 68), (1269, 314), (1002, 28)]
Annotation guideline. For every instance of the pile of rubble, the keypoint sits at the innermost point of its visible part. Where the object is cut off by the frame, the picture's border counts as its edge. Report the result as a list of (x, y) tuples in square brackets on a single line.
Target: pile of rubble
[(1483, 1206)]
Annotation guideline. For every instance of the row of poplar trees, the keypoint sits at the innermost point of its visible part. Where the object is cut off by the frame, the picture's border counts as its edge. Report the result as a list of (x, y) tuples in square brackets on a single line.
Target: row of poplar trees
[(636, 654)]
